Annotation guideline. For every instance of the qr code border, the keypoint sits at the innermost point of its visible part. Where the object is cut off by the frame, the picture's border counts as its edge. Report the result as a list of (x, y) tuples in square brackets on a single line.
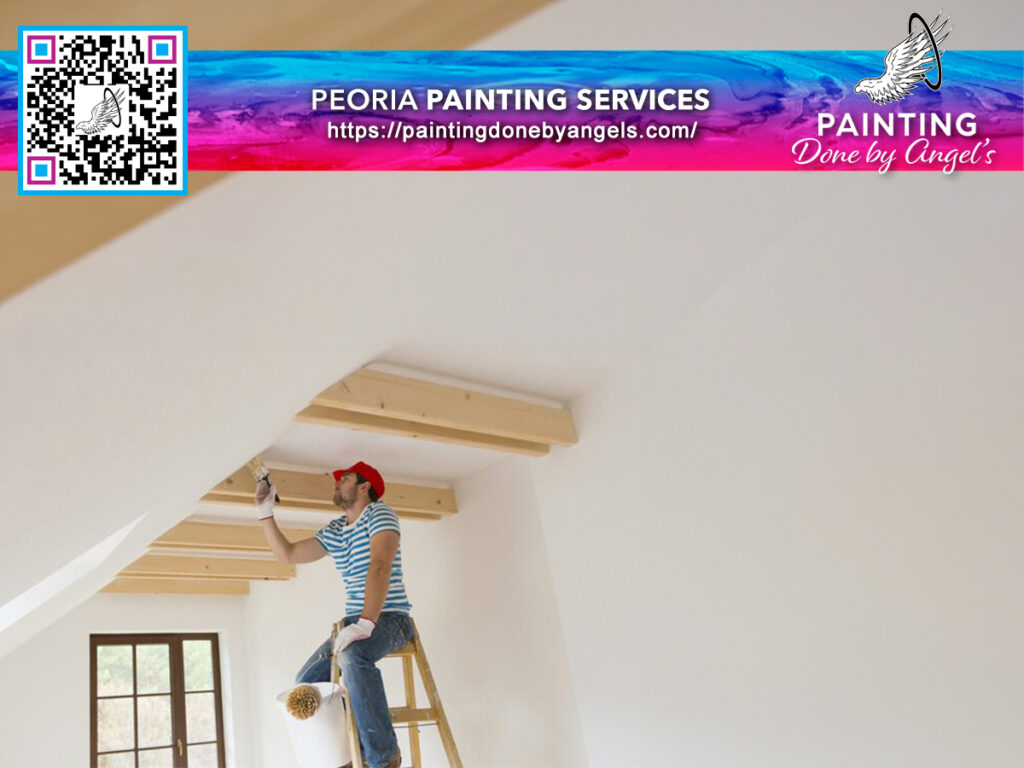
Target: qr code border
[(22, 29)]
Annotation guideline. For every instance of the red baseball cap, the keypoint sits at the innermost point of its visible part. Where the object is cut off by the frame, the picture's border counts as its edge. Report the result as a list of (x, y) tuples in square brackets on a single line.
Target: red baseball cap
[(368, 473)]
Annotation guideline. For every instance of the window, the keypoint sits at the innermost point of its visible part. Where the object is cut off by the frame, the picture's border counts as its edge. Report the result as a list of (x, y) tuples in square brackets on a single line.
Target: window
[(155, 701)]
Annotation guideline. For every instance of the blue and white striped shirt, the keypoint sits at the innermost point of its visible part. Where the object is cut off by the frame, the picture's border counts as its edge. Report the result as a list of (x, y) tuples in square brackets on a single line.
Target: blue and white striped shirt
[(349, 545)]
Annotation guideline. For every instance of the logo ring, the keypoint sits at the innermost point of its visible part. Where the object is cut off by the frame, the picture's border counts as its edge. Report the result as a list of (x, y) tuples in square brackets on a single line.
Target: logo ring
[(114, 97), (938, 59)]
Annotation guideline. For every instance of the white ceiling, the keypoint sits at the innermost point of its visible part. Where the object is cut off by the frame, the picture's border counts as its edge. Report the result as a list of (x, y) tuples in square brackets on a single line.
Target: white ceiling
[(738, 25), (545, 306), (140, 376), (577, 285), (318, 448)]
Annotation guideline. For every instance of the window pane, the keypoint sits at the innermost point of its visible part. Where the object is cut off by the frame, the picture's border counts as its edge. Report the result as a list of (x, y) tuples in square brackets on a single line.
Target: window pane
[(156, 758), (200, 722), (155, 721), (115, 725), (203, 757), (114, 670), (120, 760), (154, 668), (198, 665)]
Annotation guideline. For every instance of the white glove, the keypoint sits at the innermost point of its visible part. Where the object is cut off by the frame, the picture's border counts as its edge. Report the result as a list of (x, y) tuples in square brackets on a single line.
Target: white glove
[(353, 633), (265, 493)]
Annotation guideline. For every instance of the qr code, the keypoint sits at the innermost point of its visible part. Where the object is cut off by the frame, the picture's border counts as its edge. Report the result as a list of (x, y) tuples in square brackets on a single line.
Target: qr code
[(103, 111)]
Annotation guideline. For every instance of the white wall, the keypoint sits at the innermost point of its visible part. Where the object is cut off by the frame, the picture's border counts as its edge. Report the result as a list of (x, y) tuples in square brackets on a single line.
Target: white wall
[(790, 534), (45, 721), (187, 345), (484, 601), (142, 362)]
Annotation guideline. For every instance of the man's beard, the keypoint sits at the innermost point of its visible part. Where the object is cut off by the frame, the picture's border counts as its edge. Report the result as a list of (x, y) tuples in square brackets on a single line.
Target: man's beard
[(341, 501)]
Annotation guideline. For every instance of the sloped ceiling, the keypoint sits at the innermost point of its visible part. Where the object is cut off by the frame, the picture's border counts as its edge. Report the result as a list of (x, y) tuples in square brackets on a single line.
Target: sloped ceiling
[(301, 24), (139, 377)]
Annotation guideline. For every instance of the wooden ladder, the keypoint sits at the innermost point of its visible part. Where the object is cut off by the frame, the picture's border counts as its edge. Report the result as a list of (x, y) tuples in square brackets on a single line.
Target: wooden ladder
[(409, 714)]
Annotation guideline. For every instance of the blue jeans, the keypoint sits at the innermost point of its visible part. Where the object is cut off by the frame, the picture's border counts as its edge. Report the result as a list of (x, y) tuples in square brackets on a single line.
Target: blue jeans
[(360, 675)]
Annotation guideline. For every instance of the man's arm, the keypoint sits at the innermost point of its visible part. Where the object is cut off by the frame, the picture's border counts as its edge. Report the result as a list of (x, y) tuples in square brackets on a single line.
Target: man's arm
[(305, 551), (383, 548)]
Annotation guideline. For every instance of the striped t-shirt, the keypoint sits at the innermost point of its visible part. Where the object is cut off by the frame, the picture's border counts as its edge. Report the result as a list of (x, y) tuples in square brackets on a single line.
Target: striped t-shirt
[(349, 545)]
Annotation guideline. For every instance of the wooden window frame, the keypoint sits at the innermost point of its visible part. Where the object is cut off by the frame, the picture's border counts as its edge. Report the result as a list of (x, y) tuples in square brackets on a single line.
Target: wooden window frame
[(177, 693)]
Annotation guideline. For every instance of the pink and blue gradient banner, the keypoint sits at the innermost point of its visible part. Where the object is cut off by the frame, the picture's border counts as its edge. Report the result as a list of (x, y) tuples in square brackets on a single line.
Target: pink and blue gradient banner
[(765, 110)]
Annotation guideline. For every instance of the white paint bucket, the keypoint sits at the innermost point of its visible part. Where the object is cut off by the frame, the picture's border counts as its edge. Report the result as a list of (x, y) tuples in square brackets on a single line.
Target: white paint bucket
[(320, 741)]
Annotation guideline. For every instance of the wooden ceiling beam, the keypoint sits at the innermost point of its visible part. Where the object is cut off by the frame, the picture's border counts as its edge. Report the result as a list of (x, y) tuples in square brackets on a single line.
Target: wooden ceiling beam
[(309, 490), (300, 25), (218, 537), (170, 586), (363, 422), (426, 405), (160, 566)]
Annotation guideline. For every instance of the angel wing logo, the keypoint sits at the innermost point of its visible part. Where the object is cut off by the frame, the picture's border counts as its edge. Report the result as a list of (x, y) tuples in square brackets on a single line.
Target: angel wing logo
[(909, 62), (104, 114)]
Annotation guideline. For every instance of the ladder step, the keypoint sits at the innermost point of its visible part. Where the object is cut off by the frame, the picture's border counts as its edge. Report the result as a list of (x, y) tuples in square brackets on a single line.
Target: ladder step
[(409, 715), (406, 650)]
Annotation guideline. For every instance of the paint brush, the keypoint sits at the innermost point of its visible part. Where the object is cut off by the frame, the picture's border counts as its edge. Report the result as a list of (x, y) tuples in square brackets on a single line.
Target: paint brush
[(261, 473)]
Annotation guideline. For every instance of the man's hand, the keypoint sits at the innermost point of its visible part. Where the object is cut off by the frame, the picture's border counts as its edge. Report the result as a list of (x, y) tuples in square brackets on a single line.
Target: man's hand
[(265, 493), (353, 633)]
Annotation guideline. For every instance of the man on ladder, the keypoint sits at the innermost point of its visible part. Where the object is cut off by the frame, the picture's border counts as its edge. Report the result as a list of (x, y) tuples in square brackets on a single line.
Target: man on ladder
[(366, 550)]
